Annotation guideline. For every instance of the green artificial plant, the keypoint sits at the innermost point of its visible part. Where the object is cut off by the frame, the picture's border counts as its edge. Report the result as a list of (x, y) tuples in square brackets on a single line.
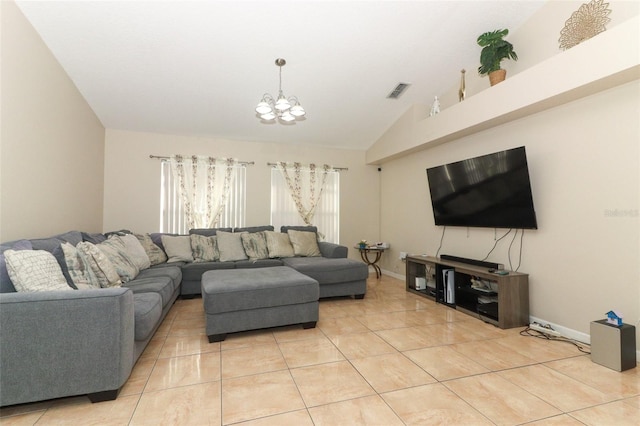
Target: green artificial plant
[(494, 50)]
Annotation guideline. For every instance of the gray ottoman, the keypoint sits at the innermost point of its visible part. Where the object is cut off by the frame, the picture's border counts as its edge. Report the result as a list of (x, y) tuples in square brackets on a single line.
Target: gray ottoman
[(248, 299)]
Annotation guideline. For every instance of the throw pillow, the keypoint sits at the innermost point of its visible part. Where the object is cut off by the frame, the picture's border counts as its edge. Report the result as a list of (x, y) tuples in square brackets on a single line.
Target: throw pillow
[(35, 270), (255, 245), (304, 243), (178, 248), (79, 271), (230, 246), (6, 286), (100, 265), (204, 249), (135, 251), (115, 252), (278, 244), (155, 253)]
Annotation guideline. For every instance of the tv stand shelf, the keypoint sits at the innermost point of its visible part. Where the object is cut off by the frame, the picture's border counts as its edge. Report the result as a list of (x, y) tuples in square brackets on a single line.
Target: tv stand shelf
[(505, 304)]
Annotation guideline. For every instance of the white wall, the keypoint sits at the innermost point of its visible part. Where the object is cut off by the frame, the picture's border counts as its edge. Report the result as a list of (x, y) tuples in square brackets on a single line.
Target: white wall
[(132, 179), (537, 40), (584, 161), (51, 142)]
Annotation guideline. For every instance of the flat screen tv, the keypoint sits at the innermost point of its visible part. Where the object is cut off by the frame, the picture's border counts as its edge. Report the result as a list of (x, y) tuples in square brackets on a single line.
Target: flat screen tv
[(490, 191)]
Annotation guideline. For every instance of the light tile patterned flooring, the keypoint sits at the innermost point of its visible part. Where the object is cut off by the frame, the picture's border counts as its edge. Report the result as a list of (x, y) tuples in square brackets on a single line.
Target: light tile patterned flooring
[(391, 359)]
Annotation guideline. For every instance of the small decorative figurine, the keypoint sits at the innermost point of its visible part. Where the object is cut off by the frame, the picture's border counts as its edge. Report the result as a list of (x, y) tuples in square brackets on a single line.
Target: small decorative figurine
[(462, 92), (435, 107)]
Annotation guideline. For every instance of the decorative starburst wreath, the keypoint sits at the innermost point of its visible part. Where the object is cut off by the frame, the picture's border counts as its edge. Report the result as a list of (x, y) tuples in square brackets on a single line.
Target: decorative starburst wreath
[(590, 19)]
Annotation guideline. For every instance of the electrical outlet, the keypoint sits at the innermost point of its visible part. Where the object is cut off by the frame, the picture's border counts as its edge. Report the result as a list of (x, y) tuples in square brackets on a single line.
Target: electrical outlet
[(545, 330), (403, 255)]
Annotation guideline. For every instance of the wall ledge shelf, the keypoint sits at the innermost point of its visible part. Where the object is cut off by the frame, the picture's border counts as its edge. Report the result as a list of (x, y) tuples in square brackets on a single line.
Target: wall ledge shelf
[(610, 59)]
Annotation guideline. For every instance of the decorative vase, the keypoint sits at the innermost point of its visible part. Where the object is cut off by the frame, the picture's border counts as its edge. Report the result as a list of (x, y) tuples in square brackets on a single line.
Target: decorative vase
[(363, 245), (462, 92), (497, 76)]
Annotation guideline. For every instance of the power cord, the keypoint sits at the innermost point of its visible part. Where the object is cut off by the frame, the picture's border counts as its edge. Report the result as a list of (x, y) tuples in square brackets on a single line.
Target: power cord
[(441, 239), (528, 331), (496, 244), (520, 254)]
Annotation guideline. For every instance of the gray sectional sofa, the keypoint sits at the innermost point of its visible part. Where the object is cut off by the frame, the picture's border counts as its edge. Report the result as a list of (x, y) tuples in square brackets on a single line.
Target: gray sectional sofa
[(63, 343)]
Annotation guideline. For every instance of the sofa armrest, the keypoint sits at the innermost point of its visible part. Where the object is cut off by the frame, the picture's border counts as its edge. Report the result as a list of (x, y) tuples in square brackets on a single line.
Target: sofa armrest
[(63, 343), (332, 250)]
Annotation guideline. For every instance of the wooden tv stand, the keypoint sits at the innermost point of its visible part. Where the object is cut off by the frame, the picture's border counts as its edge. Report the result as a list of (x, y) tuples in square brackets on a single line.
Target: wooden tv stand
[(505, 303)]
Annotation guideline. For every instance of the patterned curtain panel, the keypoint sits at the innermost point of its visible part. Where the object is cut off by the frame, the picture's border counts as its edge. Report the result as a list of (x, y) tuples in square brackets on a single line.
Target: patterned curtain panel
[(204, 184), (305, 192)]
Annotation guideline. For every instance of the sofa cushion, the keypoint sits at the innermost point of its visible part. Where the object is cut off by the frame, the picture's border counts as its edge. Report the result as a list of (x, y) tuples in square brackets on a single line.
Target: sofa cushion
[(95, 238), (79, 270), (254, 228), (194, 271), (6, 286), (156, 237), (114, 250), (278, 244), (160, 285), (204, 249), (147, 309), (304, 243), (52, 245), (255, 245), (172, 272), (178, 248), (230, 246), (299, 228), (35, 270), (154, 252), (49, 244), (258, 263), (134, 250), (208, 232), (100, 265), (329, 271)]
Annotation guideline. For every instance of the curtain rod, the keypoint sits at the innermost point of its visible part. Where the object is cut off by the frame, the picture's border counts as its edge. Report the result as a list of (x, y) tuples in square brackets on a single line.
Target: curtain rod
[(334, 168), (161, 157)]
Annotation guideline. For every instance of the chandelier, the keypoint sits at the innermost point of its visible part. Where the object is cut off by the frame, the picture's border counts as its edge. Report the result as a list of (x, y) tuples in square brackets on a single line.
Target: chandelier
[(284, 109)]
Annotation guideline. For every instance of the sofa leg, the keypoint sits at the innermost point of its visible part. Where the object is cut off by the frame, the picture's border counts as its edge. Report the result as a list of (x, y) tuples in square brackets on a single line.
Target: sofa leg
[(359, 296), (109, 395), (217, 337), (307, 325)]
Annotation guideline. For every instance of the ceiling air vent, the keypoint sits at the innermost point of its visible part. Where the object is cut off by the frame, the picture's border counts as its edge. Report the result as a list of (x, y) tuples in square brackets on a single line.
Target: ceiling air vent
[(399, 90)]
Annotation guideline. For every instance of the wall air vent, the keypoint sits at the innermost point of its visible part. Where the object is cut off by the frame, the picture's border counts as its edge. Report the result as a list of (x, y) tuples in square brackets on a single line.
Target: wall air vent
[(399, 90)]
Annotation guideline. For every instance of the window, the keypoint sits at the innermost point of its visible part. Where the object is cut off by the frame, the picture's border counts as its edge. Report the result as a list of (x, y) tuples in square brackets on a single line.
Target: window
[(327, 214), (172, 217)]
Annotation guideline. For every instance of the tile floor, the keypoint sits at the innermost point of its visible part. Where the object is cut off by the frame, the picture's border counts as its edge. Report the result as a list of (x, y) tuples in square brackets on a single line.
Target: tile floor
[(393, 358)]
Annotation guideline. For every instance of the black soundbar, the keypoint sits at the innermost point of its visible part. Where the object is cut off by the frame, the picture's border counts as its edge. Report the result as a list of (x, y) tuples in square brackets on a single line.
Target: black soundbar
[(488, 265)]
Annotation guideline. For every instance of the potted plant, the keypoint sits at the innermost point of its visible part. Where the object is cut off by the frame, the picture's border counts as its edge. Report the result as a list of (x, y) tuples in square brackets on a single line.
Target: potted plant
[(494, 50)]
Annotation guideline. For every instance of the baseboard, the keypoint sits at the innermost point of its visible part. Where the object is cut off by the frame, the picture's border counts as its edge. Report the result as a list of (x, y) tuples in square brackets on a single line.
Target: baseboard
[(393, 275), (565, 331), (570, 333)]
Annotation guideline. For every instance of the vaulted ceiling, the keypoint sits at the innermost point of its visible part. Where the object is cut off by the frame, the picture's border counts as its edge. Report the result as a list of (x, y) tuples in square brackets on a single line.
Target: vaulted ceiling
[(200, 67)]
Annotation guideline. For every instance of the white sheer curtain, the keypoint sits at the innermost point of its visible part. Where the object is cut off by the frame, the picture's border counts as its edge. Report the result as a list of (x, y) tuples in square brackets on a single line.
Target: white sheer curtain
[(204, 184), (172, 217), (306, 195)]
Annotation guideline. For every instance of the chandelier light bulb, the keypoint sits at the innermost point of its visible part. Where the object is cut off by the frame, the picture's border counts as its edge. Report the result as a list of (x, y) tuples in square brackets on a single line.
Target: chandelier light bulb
[(297, 110), (263, 107), (268, 116), (287, 116), (282, 104), (283, 108)]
